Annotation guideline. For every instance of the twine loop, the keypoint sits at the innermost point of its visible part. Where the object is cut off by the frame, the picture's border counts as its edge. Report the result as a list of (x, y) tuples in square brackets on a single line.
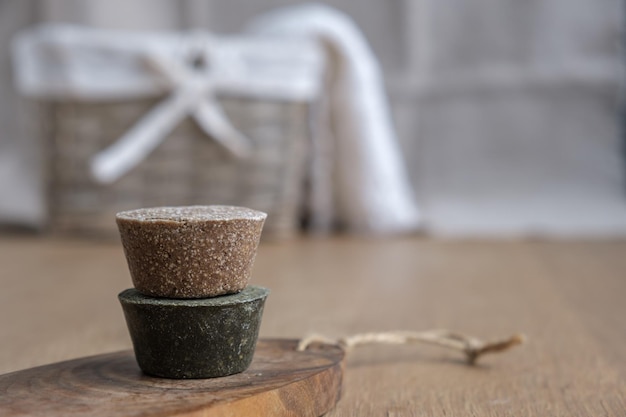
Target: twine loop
[(472, 347)]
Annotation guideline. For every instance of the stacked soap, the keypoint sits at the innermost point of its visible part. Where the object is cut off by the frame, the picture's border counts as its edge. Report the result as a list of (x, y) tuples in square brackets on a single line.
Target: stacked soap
[(192, 313)]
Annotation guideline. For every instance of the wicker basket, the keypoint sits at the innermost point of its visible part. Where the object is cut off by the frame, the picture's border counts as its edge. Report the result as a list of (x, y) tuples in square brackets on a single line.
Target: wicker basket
[(187, 168)]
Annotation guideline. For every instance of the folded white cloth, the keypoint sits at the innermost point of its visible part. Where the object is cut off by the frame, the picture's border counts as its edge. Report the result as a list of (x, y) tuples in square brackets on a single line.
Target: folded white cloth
[(370, 185), (280, 58)]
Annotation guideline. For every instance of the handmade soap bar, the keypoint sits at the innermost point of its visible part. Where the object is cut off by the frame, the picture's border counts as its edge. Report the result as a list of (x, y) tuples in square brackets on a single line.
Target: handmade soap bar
[(190, 252), (200, 338)]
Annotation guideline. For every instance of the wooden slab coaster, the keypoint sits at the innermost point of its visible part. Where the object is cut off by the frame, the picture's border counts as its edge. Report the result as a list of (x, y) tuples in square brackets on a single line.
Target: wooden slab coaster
[(281, 381)]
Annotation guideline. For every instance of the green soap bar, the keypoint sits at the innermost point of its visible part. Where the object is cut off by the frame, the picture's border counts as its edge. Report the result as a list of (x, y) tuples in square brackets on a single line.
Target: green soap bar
[(196, 338)]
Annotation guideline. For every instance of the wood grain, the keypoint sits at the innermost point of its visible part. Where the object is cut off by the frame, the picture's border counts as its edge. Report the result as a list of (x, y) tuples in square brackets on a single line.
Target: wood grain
[(58, 301), (280, 382)]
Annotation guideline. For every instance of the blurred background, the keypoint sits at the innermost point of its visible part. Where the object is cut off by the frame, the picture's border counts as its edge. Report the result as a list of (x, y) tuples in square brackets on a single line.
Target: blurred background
[(506, 119)]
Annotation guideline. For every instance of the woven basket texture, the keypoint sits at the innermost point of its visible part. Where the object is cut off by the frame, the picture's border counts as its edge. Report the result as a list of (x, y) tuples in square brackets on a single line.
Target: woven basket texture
[(187, 168)]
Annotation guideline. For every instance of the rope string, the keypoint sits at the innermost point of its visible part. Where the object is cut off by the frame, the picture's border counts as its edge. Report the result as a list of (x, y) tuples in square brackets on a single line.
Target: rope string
[(473, 348)]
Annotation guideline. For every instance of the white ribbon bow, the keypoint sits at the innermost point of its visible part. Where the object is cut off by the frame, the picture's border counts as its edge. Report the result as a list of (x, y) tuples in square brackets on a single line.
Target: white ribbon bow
[(193, 94), (87, 64)]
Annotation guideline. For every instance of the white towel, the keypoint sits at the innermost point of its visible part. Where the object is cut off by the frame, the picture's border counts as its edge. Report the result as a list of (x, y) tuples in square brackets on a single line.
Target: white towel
[(369, 182)]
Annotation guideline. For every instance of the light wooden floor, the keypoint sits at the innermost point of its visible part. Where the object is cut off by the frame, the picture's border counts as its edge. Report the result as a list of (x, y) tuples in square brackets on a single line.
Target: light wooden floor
[(58, 301)]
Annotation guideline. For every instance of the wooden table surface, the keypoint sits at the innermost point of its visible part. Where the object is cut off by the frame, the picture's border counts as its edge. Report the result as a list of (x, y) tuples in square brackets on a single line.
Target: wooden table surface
[(58, 301)]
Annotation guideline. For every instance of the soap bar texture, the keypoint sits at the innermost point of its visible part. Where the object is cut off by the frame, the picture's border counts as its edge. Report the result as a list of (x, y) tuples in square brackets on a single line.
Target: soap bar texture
[(190, 252), (201, 338)]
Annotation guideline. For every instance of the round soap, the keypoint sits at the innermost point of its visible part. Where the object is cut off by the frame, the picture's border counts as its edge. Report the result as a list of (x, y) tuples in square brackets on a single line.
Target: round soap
[(202, 338), (190, 252)]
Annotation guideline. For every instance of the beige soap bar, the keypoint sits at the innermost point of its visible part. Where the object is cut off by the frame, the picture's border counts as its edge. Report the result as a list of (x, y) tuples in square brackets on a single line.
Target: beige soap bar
[(190, 252)]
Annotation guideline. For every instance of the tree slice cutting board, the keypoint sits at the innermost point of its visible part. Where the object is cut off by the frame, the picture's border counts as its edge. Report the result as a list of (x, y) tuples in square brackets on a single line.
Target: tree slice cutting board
[(280, 382)]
